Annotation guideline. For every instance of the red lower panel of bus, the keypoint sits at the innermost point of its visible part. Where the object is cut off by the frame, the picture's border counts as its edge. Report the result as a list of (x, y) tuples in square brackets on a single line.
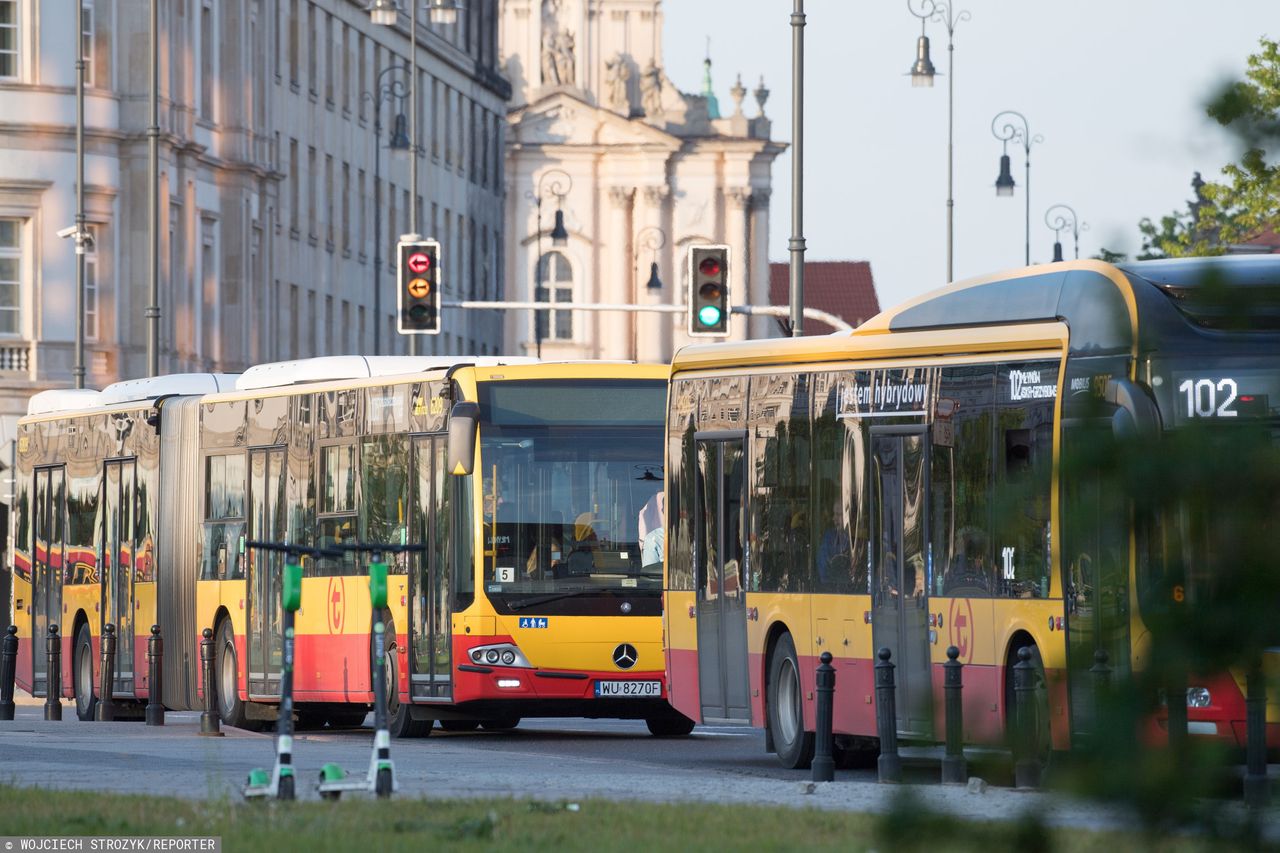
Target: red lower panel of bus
[(25, 673), (1224, 718)]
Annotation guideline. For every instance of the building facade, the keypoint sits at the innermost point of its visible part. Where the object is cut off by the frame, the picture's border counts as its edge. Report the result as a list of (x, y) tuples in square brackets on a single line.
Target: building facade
[(272, 183), (637, 172)]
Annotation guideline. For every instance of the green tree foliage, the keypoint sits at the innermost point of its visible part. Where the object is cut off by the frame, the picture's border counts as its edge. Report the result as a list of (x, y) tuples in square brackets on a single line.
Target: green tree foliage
[(1247, 201)]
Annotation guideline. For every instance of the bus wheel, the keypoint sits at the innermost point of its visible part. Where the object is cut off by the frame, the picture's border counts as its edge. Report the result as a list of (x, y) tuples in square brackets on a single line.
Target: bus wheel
[(1042, 746), (399, 721), (500, 724), (668, 723), (231, 709), (459, 725), (785, 715), (86, 699)]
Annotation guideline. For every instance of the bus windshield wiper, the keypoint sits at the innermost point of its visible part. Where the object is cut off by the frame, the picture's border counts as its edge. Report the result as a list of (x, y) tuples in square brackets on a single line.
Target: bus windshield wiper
[(556, 596)]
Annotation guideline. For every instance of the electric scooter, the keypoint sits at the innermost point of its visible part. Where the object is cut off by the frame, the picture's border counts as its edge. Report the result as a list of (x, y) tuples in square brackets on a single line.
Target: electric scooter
[(280, 782), (381, 777)]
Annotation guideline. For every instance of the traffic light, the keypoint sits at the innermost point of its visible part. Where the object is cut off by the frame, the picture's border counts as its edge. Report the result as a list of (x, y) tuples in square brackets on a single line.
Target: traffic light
[(418, 305), (708, 290)]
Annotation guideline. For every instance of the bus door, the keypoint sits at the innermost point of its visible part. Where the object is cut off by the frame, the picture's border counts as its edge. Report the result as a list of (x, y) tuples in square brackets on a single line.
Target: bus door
[(119, 546), (719, 560), (47, 564), (1095, 565), (899, 606), (265, 569), (430, 619)]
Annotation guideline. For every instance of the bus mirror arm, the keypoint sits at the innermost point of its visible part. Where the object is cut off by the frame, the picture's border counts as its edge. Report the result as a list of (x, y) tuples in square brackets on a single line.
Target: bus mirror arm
[(463, 418), (1136, 415)]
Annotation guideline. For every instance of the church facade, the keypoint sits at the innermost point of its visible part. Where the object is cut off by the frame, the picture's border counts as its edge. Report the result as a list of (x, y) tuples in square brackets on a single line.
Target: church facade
[(612, 173)]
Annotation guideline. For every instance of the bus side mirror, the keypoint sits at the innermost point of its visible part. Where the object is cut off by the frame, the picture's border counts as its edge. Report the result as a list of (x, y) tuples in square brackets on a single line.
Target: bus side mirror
[(1136, 415), (462, 438)]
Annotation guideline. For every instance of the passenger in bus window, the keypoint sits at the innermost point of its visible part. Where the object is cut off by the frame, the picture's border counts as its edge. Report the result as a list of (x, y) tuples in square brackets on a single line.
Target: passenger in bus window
[(581, 560), (652, 529)]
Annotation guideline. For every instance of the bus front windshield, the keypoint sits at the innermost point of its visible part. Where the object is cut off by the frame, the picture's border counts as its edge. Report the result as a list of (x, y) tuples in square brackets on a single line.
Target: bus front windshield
[(572, 511)]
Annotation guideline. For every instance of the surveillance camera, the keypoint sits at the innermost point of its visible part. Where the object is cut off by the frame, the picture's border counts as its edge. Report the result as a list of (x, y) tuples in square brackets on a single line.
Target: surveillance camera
[(69, 231)]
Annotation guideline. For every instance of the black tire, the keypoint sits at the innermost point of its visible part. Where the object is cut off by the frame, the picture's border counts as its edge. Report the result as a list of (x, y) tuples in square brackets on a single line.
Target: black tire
[(82, 675), (668, 723), (1042, 748), (231, 710), (500, 724), (286, 789), (459, 725), (400, 722), (382, 782), (785, 717)]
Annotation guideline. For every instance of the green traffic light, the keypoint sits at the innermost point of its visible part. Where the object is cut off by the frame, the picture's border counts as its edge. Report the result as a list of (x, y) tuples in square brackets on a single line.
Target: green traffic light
[(708, 315)]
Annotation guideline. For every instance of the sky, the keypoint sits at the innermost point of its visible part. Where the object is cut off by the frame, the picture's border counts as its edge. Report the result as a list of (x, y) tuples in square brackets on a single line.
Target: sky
[(1116, 88)]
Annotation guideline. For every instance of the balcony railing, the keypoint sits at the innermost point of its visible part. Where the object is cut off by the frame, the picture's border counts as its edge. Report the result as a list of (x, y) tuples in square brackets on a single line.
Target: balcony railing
[(15, 357)]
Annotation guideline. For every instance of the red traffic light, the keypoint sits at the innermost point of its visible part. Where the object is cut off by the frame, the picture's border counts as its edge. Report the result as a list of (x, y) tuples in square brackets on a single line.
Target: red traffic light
[(709, 267), (419, 262)]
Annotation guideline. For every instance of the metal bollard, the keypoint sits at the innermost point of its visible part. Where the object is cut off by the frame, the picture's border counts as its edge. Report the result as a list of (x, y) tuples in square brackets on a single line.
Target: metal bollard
[(53, 687), (954, 767), (1101, 686), (824, 766), (1176, 704), (1256, 787), (8, 670), (209, 724), (1026, 771), (106, 708), (888, 765), (155, 698)]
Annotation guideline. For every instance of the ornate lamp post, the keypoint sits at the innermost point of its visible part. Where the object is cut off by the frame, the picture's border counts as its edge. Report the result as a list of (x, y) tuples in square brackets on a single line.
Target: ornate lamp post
[(1059, 222), (386, 13), (650, 239), (384, 90), (560, 186), (922, 74), (1013, 127)]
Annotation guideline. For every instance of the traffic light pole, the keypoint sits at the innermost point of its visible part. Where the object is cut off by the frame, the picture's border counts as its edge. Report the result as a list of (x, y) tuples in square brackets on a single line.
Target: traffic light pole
[(663, 308)]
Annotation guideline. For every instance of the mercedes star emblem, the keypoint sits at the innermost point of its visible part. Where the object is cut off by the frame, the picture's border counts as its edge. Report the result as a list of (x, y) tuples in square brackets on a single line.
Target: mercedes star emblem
[(624, 656)]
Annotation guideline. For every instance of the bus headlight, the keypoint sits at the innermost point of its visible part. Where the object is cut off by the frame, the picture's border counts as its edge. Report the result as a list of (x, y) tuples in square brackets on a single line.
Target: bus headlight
[(1199, 697), (506, 654)]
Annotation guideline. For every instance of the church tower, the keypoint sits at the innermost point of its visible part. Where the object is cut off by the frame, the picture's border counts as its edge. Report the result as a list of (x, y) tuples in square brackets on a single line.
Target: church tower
[(612, 173)]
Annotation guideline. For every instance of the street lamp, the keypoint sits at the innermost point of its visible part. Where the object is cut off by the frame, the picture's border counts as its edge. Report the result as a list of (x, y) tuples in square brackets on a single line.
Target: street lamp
[(384, 90), (922, 74), (560, 186), (1066, 218), (1010, 131), (386, 13), (650, 239)]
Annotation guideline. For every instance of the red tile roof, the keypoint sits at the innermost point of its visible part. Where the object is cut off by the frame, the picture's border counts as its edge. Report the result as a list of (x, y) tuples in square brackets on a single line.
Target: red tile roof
[(843, 288)]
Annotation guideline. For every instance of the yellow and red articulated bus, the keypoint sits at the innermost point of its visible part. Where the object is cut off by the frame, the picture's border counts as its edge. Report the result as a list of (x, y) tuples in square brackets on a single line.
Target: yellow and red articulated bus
[(535, 489), (899, 486)]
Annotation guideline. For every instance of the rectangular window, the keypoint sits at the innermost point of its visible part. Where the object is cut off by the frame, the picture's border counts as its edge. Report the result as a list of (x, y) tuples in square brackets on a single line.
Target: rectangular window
[(436, 122), (780, 483), (363, 218), (327, 38), (313, 52), (961, 488), (450, 121), (363, 67), (10, 276), (311, 324), (391, 226), (207, 63), (346, 69), (346, 326), (224, 487), (346, 207), (360, 342), (328, 200), (86, 40), (294, 321), (328, 325), (91, 329), (295, 182), (311, 191), (8, 38), (336, 515), (295, 37)]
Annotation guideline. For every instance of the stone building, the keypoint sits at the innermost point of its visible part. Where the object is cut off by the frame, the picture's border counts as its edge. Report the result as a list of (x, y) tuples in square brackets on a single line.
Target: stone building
[(638, 170), (269, 185)]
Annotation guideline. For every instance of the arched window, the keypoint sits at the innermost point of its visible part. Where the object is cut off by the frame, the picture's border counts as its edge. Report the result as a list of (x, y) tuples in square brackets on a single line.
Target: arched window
[(555, 285)]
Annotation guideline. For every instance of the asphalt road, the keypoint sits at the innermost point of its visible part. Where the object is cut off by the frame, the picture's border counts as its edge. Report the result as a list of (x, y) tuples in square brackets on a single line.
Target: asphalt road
[(559, 760)]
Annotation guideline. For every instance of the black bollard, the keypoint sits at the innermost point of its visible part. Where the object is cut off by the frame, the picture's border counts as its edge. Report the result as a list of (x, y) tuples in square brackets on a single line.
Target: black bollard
[(8, 669), (106, 708), (209, 725), (1256, 788), (824, 766), (1026, 770), (53, 691), (155, 657), (1176, 704), (954, 767), (888, 765), (1101, 686)]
